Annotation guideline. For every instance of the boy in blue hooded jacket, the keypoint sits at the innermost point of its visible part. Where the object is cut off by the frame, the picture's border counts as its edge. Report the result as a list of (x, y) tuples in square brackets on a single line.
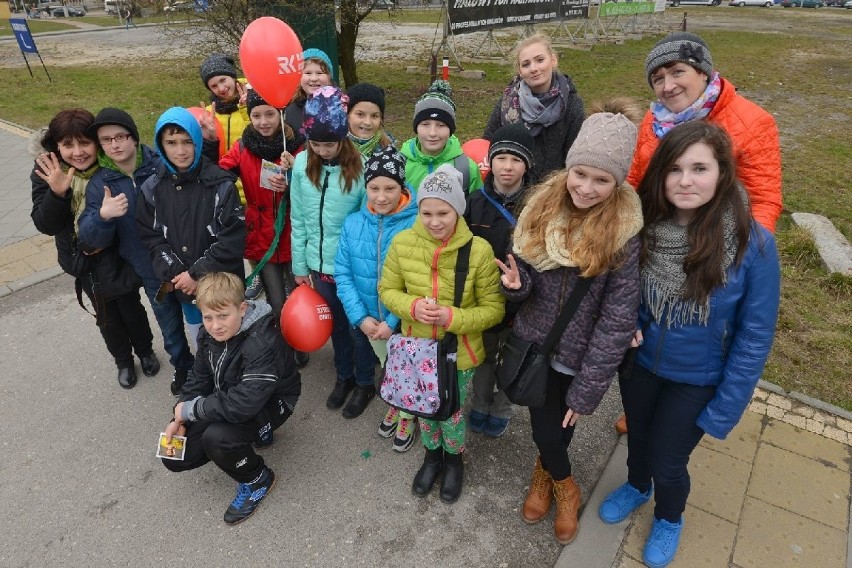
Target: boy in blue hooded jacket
[(190, 216)]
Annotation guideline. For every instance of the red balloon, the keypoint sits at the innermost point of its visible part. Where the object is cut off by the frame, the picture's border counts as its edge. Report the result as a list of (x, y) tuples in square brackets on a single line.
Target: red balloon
[(306, 320), (477, 150), (198, 112), (271, 57)]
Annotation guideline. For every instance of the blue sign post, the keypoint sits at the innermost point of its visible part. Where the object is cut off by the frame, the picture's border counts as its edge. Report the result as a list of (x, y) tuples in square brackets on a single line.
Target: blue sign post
[(26, 43)]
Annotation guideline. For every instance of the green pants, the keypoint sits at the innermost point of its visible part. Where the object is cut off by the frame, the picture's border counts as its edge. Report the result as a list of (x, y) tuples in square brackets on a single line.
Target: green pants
[(449, 433)]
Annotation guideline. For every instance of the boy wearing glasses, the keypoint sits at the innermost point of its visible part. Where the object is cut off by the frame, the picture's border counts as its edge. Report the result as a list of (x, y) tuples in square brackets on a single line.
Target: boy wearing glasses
[(110, 214)]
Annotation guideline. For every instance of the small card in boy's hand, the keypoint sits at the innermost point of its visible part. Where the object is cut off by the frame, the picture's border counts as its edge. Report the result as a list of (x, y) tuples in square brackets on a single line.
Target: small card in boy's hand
[(171, 450)]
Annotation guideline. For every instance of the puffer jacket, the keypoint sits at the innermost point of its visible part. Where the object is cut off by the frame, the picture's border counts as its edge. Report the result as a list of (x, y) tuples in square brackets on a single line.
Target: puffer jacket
[(597, 336), (232, 381), (233, 125), (317, 215), (364, 243), (552, 143), (418, 165), (757, 149), (419, 266), (98, 233), (731, 350), (262, 205), (191, 221)]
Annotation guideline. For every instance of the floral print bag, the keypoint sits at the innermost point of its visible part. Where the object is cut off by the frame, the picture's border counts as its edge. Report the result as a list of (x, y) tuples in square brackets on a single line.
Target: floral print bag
[(420, 374)]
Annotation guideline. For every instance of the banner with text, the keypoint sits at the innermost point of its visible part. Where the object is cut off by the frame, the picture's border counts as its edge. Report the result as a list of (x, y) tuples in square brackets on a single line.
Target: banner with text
[(626, 8), (467, 16)]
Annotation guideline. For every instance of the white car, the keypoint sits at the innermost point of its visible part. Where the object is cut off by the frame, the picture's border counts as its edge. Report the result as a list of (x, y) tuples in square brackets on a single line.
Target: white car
[(765, 3), (848, 5), (676, 3)]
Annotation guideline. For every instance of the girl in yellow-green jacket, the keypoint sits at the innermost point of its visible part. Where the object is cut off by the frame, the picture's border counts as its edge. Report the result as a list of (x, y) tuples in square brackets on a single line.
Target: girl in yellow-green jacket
[(418, 286)]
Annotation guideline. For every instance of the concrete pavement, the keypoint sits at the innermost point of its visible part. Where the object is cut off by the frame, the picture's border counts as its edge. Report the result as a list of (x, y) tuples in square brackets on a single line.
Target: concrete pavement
[(81, 485)]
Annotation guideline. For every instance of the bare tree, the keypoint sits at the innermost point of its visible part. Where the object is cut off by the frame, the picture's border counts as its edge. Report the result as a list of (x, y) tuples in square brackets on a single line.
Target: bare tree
[(221, 26)]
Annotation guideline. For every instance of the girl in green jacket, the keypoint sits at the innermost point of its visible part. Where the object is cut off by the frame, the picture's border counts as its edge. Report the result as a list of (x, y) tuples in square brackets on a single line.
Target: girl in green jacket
[(417, 285)]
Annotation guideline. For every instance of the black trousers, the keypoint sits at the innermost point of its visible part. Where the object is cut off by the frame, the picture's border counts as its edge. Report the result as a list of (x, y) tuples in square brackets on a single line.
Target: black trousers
[(661, 434), (123, 324), (548, 434), (229, 445), (279, 283)]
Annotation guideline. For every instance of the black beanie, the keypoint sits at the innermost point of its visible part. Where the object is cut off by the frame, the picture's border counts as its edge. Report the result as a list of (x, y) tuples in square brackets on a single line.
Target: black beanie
[(366, 93), (215, 65), (254, 99), (515, 139), (388, 162), (115, 116)]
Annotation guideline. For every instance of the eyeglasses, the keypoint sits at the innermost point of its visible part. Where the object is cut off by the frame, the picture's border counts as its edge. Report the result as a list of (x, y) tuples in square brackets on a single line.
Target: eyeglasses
[(107, 140)]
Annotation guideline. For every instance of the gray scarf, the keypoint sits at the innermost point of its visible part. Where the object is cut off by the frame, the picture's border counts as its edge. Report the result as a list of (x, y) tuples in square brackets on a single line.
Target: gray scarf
[(539, 112), (663, 277)]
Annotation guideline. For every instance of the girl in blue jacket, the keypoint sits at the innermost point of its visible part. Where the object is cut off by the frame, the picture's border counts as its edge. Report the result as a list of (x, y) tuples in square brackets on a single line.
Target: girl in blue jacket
[(326, 186), (364, 242), (710, 295)]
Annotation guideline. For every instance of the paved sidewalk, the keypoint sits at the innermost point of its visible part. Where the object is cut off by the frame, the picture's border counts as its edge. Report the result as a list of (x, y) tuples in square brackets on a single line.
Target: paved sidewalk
[(772, 495), (26, 256)]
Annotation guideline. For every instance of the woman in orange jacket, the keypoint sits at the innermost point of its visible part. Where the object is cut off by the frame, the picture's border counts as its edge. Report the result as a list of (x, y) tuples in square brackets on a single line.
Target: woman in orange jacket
[(680, 71)]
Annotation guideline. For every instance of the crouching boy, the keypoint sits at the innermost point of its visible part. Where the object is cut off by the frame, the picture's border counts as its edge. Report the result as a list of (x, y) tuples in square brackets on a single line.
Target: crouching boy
[(243, 386)]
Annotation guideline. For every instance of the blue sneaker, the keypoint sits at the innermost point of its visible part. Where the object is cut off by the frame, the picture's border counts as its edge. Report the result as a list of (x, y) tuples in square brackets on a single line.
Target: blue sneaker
[(496, 426), (620, 503), (477, 421), (661, 547), (249, 496)]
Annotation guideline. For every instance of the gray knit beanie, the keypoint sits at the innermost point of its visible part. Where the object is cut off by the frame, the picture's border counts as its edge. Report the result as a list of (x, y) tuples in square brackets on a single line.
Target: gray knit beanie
[(605, 141), (215, 65), (436, 104), (679, 46), (445, 184)]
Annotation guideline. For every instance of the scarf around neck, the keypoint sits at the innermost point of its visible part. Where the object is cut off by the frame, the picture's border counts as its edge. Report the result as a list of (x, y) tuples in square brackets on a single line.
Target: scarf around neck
[(665, 120), (536, 111), (268, 148), (555, 253), (223, 107), (368, 146), (663, 277)]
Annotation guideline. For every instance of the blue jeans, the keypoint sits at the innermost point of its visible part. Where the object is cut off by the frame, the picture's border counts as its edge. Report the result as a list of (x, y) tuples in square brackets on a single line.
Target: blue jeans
[(661, 434), (354, 358), (170, 319)]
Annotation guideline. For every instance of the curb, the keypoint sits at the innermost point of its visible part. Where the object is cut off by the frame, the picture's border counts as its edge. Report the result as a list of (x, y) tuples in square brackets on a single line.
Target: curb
[(31, 280)]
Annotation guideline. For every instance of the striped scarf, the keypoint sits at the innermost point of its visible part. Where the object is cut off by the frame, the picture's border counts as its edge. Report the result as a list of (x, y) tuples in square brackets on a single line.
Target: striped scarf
[(665, 120)]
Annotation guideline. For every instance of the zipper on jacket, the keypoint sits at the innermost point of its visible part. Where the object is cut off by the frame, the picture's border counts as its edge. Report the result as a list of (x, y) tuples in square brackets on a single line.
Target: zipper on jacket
[(322, 205), (659, 349), (724, 341), (379, 269), (218, 367), (435, 257)]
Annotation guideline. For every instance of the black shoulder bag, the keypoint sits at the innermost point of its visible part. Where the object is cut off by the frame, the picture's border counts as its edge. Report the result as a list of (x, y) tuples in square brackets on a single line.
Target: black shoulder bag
[(522, 366)]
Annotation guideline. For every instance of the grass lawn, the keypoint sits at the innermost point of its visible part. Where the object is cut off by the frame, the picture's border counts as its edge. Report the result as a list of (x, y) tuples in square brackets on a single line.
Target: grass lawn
[(36, 26), (802, 75)]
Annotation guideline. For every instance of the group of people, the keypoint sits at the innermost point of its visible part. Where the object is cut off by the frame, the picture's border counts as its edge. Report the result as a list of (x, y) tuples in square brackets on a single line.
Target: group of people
[(659, 225)]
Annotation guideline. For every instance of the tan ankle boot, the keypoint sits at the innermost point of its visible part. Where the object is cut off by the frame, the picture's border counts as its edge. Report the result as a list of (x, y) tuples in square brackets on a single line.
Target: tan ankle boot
[(567, 495), (540, 496)]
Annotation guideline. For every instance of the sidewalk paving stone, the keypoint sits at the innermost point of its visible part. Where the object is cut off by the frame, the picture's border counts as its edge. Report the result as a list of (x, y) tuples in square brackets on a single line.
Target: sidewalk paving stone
[(772, 537), (719, 483), (807, 444), (800, 485), (742, 442)]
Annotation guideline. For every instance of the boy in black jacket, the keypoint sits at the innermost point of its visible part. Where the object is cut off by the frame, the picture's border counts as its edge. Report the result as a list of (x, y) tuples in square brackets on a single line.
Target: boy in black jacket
[(190, 216), (491, 213), (243, 386)]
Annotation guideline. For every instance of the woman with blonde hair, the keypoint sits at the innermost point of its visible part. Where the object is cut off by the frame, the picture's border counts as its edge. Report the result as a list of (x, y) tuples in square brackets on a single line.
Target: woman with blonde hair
[(578, 231), (542, 99)]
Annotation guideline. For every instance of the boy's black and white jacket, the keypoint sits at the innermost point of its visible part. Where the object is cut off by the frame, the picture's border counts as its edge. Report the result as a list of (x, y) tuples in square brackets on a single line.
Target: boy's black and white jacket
[(192, 221), (232, 381)]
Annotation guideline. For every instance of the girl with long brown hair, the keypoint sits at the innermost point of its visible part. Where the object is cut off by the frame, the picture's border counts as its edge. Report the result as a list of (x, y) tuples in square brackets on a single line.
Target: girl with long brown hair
[(710, 293)]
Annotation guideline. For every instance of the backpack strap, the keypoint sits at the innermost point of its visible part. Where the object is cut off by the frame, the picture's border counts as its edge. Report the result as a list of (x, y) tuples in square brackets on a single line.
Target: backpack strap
[(462, 164)]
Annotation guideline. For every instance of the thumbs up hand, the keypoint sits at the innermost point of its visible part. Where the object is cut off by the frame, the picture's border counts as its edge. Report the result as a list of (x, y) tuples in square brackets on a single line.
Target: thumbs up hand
[(113, 207)]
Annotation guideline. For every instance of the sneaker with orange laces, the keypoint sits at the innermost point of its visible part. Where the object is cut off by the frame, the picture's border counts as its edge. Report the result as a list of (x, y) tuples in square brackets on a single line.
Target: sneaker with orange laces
[(404, 438)]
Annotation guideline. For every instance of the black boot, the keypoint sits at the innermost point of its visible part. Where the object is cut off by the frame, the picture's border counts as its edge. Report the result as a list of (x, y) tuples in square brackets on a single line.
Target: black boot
[(361, 397), (451, 483), (150, 364), (339, 394), (428, 472), (302, 359), (178, 379), (127, 377)]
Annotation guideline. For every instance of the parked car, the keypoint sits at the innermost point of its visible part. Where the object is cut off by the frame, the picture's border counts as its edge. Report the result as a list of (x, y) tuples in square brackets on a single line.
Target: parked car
[(73, 11), (179, 7), (802, 3), (676, 3), (741, 3), (848, 5)]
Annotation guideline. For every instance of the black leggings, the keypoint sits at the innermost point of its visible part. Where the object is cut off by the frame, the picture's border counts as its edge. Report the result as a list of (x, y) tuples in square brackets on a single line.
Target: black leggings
[(123, 324), (548, 434), (278, 282)]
